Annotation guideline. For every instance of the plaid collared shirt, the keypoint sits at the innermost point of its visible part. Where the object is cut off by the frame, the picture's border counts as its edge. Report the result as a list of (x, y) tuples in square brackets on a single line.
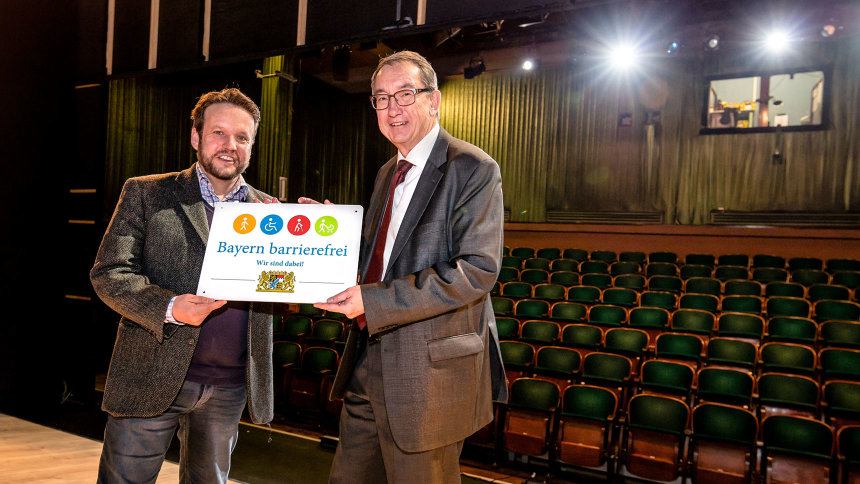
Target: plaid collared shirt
[(238, 194)]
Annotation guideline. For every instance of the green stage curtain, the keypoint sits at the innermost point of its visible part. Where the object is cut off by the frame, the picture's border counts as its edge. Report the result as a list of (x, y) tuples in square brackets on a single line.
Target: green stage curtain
[(569, 138), (274, 136), (149, 123), (337, 147), (144, 133), (561, 139)]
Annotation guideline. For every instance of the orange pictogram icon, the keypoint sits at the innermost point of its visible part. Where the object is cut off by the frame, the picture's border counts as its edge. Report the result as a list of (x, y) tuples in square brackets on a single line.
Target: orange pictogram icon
[(244, 223)]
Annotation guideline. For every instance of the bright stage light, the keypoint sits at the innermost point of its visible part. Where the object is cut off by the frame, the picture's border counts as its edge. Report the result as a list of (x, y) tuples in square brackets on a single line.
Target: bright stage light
[(623, 56), (528, 64), (777, 41)]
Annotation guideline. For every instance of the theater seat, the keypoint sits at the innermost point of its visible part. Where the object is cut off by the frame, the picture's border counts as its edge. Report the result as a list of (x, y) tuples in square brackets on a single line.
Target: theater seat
[(742, 260), (585, 338), (786, 394), (666, 378), (518, 358), (796, 449), (841, 403), (311, 380), (295, 327), (607, 370), (550, 253), (737, 287), (529, 416), (324, 332), (586, 426), (723, 444), (285, 355), (540, 333), (656, 436), (745, 327), (681, 348), (725, 385), (653, 321), (557, 364), (848, 453)]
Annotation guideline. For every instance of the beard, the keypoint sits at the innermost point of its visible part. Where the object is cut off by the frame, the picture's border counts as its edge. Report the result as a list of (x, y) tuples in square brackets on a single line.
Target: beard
[(218, 170)]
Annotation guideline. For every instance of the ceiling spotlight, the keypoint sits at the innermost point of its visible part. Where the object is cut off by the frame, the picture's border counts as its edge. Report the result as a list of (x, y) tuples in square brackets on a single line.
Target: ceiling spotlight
[(475, 68), (623, 56), (533, 22), (529, 64), (673, 47), (776, 41), (712, 42)]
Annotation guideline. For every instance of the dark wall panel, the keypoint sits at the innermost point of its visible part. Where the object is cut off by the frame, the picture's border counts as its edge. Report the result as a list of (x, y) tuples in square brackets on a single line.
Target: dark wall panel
[(89, 131), (335, 20), (37, 71), (91, 41), (180, 33), (446, 12), (131, 35), (252, 28)]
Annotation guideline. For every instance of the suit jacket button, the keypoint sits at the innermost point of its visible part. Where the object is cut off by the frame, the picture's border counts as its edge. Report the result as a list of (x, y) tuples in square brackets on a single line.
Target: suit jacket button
[(191, 341)]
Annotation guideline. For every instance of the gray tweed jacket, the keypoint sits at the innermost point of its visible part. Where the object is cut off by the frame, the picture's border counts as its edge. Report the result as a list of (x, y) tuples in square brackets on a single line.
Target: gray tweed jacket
[(153, 250), (441, 364)]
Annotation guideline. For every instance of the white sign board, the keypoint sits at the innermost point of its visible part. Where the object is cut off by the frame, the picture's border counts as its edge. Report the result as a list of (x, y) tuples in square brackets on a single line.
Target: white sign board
[(281, 252)]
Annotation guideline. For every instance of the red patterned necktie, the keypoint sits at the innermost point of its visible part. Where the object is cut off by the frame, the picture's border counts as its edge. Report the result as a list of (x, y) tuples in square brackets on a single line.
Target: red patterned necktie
[(374, 269)]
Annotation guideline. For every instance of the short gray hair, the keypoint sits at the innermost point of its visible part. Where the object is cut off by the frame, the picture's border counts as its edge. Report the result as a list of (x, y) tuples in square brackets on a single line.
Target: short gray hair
[(428, 75)]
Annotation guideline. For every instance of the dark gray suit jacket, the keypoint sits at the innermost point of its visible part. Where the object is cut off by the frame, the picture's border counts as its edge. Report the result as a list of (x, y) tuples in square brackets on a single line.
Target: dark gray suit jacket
[(432, 312), (153, 250)]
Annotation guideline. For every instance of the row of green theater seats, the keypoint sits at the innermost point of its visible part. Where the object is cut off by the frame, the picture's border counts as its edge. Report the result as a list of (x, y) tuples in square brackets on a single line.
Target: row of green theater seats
[(654, 305), (660, 436), (740, 260), (704, 290), (633, 277), (307, 346), (589, 334), (820, 359), (631, 267), (303, 374)]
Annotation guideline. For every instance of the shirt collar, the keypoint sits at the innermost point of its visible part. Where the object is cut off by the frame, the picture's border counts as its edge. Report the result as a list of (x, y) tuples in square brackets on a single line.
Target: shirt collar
[(238, 193), (419, 155)]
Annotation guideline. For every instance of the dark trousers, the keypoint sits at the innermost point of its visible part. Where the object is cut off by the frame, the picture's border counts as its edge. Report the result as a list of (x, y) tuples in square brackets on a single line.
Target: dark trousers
[(367, 452), (207, 418)]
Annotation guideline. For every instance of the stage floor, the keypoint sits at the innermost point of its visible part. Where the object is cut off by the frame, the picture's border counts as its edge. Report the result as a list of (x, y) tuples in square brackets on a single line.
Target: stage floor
[(67, 451), (33, 453)]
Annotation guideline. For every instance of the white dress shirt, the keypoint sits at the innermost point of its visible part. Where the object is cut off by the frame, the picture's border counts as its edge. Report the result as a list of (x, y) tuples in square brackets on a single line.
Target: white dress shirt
[(403, 193)]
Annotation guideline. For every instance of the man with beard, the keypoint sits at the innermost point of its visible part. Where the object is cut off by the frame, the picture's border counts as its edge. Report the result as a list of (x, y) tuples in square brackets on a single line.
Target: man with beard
[(182, 361)]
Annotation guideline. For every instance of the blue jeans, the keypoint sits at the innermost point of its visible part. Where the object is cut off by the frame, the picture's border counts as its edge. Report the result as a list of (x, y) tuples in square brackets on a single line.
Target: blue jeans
[(207, 418)]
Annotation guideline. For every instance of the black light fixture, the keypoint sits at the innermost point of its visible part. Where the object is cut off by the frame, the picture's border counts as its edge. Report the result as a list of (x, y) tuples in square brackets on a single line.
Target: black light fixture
[(340, 63), (712, 42), (475, 68)]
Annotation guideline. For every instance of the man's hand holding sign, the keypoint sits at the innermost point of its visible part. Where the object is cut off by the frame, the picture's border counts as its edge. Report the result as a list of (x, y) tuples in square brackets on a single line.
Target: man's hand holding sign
[(347, 302)]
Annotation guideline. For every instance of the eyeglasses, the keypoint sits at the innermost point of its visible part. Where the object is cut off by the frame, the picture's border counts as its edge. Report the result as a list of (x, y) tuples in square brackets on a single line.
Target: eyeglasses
[(403, 97)]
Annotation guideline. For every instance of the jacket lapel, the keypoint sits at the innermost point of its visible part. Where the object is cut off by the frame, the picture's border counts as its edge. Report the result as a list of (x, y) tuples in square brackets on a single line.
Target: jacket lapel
[(188, 195), (430, 177), (375, 209)]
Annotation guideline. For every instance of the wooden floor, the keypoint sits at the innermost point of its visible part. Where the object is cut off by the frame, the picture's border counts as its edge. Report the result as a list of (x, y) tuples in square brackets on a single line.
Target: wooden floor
[(32, 453)]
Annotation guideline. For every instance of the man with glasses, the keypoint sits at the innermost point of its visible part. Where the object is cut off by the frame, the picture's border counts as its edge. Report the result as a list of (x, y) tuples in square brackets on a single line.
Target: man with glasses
[(421, 366)]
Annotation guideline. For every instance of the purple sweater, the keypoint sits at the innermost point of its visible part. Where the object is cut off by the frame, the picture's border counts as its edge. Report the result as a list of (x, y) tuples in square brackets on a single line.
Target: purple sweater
[(219, 358)]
